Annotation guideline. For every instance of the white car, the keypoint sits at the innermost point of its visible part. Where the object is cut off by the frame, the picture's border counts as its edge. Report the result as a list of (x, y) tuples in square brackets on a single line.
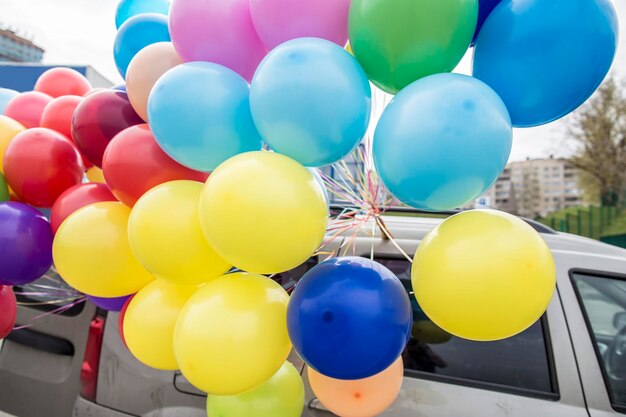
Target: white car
[(571, 363)]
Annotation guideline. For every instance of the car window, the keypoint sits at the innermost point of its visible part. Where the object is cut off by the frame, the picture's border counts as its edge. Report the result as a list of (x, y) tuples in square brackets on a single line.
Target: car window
[(289, 279), (603, 302), (521, 364)]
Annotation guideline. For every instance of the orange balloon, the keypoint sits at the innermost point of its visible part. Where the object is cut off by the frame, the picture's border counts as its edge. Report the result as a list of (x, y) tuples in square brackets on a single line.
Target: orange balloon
[(366, 397), (95, 174), (144, 71)]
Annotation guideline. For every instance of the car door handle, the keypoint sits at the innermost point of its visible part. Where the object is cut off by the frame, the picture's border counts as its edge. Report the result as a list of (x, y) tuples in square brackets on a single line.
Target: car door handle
[(41, 341)]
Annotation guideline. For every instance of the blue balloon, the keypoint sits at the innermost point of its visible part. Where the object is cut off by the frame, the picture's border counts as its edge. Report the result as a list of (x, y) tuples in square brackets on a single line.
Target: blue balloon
[(129, 8), (310, 100), (5, 96), (546, 58), (137, 33), (485, 7), (349, 318), (120, 87), (442, 141), (199, 114)]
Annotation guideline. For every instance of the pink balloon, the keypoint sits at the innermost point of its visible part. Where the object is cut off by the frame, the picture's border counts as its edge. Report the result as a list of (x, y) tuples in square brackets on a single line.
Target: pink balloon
[(277, 21), (216, 31)]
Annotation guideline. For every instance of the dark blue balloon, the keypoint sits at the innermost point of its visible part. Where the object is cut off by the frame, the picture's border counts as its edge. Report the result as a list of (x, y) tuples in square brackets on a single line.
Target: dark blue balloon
[(25, 244), (349, 318), (546, 57), (485, 7), (137, 33), (120, 87)]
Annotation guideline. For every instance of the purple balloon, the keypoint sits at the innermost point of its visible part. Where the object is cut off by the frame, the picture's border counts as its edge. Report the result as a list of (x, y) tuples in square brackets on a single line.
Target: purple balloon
[(110, 304), (25, 244)]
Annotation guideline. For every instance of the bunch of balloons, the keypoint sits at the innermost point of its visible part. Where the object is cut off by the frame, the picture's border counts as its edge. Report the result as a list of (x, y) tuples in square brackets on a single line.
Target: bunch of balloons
[(206, 159)]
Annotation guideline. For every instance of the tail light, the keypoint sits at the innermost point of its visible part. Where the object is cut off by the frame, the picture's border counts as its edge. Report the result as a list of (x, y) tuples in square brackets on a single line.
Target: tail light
[(91, 362)]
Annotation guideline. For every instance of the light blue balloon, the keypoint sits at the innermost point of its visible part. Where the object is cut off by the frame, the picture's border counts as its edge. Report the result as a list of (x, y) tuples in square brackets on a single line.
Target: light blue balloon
[(546, 57), (137, 33), (5, 96), (310, 100), (199, 113), (129, 8), (442, 141)]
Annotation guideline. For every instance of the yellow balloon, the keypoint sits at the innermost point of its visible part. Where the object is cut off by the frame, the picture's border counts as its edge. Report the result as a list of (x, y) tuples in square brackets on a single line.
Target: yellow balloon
[(263, 212), (95, 174), (483, 275), (164, 233), (91, 252), (150, 320), (9, 128), (231, 336)]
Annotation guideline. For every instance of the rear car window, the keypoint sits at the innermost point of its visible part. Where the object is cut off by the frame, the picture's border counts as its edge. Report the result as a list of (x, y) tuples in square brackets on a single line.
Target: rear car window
[(51, 294)]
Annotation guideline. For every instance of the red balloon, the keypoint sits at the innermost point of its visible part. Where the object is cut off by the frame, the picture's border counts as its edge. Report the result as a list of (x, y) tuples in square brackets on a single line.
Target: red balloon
[(40, 164), (27, 108), (58, 116), (77, 197), (8, 310), (134, 163), (120, 320), (98, 118), (60, 81)]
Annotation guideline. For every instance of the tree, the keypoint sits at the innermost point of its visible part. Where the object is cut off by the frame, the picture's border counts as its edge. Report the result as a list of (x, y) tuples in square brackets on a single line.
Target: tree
[(599, 128)]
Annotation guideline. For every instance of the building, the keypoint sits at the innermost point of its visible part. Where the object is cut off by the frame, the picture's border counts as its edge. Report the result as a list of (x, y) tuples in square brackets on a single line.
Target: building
[(535, 187), (22, 77), (14, 48)]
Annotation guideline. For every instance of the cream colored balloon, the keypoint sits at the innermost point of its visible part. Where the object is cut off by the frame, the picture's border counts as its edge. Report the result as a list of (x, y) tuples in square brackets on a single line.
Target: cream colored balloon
[(145, 69)]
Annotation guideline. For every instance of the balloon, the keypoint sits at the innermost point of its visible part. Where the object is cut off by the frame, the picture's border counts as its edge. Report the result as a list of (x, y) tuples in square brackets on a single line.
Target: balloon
[(95, 175), (165, 235), (150, 320), (57, 82), (9, 128), (92, 254), (120, 321), (231, 335), (137, 33), (58, 114), (280, 396), (8, 307), (25, 244), (4, 189), (97, 90), (98, 119), (5, 96), (77, 197), (129, 8), (110, 304), (400, 41), (442, 142), (349, 318), (224, 28), (122, 87), (277, 21), (320, 182), (40, 164), (483, 275), (366, 397), (310, 100), (134, 163), (546, 58), (145, 69), (26, 108), (485, 7), (267, 225), (201, 131)]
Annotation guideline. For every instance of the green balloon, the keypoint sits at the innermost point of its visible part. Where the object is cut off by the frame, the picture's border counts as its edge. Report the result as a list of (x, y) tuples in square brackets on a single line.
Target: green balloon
[(4, 189), (400, 41), (280, 396)]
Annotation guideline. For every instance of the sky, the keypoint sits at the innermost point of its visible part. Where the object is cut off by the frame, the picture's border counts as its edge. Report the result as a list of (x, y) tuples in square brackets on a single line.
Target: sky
[(81, 32)]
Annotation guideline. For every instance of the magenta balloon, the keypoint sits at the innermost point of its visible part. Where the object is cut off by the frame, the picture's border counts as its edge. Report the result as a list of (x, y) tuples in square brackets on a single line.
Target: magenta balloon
[(216, 31), (277, 21), (98, 118)]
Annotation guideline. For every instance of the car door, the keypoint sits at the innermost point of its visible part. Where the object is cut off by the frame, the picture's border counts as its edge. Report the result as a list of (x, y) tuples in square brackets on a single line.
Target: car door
[(593, 291), (40, 364), (448, 376)]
